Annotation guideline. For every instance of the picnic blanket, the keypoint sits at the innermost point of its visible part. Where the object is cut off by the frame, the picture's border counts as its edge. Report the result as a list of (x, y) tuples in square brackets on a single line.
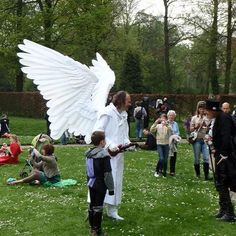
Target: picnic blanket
[(62, 183)]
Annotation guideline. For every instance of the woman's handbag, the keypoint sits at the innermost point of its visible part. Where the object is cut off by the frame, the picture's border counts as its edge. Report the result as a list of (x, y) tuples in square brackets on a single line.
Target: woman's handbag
[(192, 137)]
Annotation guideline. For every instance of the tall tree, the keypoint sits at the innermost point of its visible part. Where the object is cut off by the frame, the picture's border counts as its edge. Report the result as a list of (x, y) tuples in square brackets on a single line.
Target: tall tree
[(170, 40), (151, 40), (47, 7), (228, 48), (212, 60), (19, 73), (168, 75), (131, 77)]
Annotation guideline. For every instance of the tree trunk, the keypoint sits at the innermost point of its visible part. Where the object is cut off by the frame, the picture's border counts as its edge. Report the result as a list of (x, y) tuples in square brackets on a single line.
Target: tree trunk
[(228, 49), (19, 81), (19, 77), (168, 78), (46, 10), (212, 66)]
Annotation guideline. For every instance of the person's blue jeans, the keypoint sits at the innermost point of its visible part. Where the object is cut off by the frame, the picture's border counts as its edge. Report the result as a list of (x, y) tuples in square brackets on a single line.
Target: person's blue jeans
[(163, 152), (139, 128), (199, 146)]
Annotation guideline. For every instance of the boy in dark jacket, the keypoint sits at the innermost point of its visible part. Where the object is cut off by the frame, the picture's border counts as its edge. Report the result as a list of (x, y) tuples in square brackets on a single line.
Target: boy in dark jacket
[(99, 178)]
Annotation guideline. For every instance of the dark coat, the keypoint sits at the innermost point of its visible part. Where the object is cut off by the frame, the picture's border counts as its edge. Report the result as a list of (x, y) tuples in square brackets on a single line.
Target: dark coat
[(4, 126), (223, 131)]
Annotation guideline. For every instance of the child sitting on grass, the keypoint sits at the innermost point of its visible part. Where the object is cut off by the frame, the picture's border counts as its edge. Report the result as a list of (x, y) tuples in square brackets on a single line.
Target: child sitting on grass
[(12, 152), (100, 179), (48, 163), (3, 150)]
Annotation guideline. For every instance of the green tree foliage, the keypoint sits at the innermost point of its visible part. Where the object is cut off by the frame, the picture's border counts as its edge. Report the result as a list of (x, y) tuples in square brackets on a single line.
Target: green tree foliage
[(131, 77), (126, 38), (151, 41)]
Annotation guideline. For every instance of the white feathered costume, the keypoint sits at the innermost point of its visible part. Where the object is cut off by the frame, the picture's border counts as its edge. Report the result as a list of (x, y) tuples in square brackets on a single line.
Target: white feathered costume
[(75, 93), (76, 97)]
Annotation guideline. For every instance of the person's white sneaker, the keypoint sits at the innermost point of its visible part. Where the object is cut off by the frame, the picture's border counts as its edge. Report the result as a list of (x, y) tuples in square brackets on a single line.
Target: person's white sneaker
[(156, 174)]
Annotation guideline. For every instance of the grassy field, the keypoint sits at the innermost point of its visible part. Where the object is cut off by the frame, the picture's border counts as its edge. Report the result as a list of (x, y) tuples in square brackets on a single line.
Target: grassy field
[(181, 205)]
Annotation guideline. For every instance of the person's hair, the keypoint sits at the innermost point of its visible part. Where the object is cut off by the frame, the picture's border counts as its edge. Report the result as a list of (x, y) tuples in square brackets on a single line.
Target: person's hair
[(138, 103), (200, 104), (49, 149), (171, 112), (163, 115), (14, 137), (97, 137), (119, 99)]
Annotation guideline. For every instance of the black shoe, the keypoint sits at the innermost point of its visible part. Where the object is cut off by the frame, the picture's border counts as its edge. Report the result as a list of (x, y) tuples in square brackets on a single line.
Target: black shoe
[(219, 215), (227, 218), (95, 233), (208, 178)]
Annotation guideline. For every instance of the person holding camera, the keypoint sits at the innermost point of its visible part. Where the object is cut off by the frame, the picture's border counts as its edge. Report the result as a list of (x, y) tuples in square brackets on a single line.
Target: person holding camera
[(163, 131)]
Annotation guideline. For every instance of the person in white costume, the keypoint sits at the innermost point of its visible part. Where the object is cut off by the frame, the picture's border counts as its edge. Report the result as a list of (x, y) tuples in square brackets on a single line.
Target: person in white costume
[(113, 121), (77, 95)]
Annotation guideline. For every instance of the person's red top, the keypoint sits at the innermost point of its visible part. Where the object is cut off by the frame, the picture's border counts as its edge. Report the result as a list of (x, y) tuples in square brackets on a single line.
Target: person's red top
[(14, 158)]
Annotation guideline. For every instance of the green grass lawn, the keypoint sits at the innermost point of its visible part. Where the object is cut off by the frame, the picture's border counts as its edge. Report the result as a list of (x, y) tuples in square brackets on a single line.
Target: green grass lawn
[(181, 205)]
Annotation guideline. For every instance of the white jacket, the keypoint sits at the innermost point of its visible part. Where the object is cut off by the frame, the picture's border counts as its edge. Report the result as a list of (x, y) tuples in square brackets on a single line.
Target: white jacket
[(116, 129)]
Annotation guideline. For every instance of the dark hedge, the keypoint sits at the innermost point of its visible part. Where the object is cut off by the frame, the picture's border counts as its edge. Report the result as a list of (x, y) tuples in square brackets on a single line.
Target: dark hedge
[(32, 104)]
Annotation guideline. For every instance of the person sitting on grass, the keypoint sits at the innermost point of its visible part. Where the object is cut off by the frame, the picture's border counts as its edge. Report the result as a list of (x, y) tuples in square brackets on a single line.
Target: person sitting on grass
[(4, 150), (99, 176), (50, 171), (12, 152), (150, 143)]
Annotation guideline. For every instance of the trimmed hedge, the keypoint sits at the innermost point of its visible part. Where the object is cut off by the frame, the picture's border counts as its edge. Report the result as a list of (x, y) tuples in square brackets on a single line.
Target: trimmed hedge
[(32, 104), (26, 104)]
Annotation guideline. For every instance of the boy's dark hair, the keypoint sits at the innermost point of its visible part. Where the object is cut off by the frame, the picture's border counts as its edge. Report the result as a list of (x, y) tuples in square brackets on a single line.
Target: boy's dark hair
[(49, 149), (97, 137)]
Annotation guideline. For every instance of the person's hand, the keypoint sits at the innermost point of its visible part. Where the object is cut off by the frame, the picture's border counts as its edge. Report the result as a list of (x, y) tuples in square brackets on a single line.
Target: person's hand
[(115, 150), (36, 152), (158, 121)]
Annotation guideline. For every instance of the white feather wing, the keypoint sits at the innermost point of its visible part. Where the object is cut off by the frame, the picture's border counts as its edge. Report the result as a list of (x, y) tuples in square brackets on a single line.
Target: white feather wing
[(75, 92)]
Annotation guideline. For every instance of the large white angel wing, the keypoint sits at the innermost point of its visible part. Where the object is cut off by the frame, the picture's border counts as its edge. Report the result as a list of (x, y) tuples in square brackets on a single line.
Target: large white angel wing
[(75, 92)]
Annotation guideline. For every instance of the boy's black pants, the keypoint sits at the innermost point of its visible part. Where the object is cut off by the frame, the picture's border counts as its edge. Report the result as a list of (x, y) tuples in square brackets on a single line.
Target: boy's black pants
[(96, 208)]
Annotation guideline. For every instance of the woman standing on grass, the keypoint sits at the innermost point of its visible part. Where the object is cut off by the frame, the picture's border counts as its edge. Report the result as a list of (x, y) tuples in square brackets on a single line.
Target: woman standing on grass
[(175, 131), (200, 123), (163, 132)]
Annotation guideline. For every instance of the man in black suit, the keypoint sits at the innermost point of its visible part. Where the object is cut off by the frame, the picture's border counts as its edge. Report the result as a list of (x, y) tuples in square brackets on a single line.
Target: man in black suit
[(225, 161)]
